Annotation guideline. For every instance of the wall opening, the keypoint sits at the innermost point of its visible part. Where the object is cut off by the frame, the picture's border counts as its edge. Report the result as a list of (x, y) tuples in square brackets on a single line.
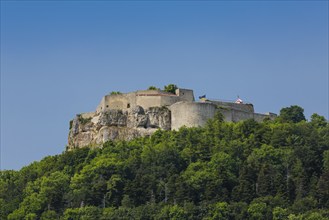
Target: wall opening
[(128, 105)]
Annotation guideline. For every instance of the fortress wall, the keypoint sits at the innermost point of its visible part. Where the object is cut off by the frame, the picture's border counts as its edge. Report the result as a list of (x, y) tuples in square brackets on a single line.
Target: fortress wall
[(155, 98), (241, 115), (260, 117), (100, 106), (236, 106), (191, 114), (232, 115), (149, 92), (144, 98), (132, 99), (169, 100), (148, 101), (185, 94), (117, 101), (227, 114)]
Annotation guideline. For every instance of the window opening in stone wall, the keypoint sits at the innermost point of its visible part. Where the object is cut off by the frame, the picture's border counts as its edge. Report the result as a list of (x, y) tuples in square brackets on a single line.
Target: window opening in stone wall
[(107, 106), (128, 105)]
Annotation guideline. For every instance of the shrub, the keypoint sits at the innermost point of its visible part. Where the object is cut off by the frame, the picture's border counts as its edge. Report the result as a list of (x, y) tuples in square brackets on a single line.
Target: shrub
[(170, 88), (115, 93), (153, 88)]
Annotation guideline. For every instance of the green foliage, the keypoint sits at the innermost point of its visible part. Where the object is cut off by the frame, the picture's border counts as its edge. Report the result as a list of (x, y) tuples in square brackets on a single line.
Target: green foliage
[(257, 210), (326, 160), (115, 93), (82, 120), (48, 215), (71, 124), (280, 213), (246, 170), (220, 211), (153, 88), (293, 114), (171, 88), (82, 213), (318, 120)]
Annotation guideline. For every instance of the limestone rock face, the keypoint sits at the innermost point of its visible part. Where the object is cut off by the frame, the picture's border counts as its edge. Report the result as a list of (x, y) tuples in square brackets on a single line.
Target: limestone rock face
[(97, 128), (137, 118), (159, 117), (113, 117)]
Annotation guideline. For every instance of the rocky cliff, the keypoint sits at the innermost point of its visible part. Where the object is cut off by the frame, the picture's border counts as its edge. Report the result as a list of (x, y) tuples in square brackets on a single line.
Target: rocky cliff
[(93, 129)]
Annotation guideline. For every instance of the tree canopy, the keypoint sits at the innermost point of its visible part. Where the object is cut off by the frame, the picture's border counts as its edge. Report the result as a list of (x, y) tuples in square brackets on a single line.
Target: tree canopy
[(293, 113), (153, 88), (170, 88), (247, 170)]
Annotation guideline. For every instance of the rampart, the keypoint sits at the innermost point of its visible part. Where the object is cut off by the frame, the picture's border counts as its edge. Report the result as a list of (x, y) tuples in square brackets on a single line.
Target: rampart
[(144, 98), (184, 109), (191, 114), (248, 107), (140, 113), (194, 114)]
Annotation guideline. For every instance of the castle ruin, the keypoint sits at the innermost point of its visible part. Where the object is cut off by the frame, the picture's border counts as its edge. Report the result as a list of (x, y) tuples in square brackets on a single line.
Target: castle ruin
[(140, 113)]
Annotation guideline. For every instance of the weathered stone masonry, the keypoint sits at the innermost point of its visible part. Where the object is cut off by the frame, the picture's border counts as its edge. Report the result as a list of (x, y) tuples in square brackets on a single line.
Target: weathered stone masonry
[(141, 113)]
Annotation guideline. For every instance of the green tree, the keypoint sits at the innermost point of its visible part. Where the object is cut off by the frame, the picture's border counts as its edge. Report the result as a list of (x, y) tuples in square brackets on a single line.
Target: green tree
[(318, 121), (225, 170), (172, 212), (49, 215), (220, 211), (153, 88), (304, 204), (257, 211), (280, 213), (31, 216), (71, 214), (293, 114), (115, 93), (326, 160), (53, 189), (323, 183), (170, 88)]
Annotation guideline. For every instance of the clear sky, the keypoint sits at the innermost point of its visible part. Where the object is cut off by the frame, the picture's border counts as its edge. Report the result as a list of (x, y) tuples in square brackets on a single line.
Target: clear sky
[(59, 58)]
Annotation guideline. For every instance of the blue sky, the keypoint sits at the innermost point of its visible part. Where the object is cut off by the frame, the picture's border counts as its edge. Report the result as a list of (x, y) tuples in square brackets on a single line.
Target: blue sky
[(59, 58)]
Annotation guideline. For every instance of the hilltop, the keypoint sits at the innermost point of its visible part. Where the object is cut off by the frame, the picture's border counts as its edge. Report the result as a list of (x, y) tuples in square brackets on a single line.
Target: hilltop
[(126, 116), (275, 169)]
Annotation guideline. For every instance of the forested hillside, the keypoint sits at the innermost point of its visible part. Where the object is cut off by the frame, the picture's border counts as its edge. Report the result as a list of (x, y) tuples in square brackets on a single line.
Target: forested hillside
[(246, 170)]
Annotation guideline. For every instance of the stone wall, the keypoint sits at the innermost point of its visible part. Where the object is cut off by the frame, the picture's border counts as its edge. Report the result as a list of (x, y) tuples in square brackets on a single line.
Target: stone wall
[(117, 101), (227, 114), (141, 113), (191, 114), (144, 98), (185, 95), (260, 117), (235, 106), (241, 115), (232, 115), (148, 101)]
